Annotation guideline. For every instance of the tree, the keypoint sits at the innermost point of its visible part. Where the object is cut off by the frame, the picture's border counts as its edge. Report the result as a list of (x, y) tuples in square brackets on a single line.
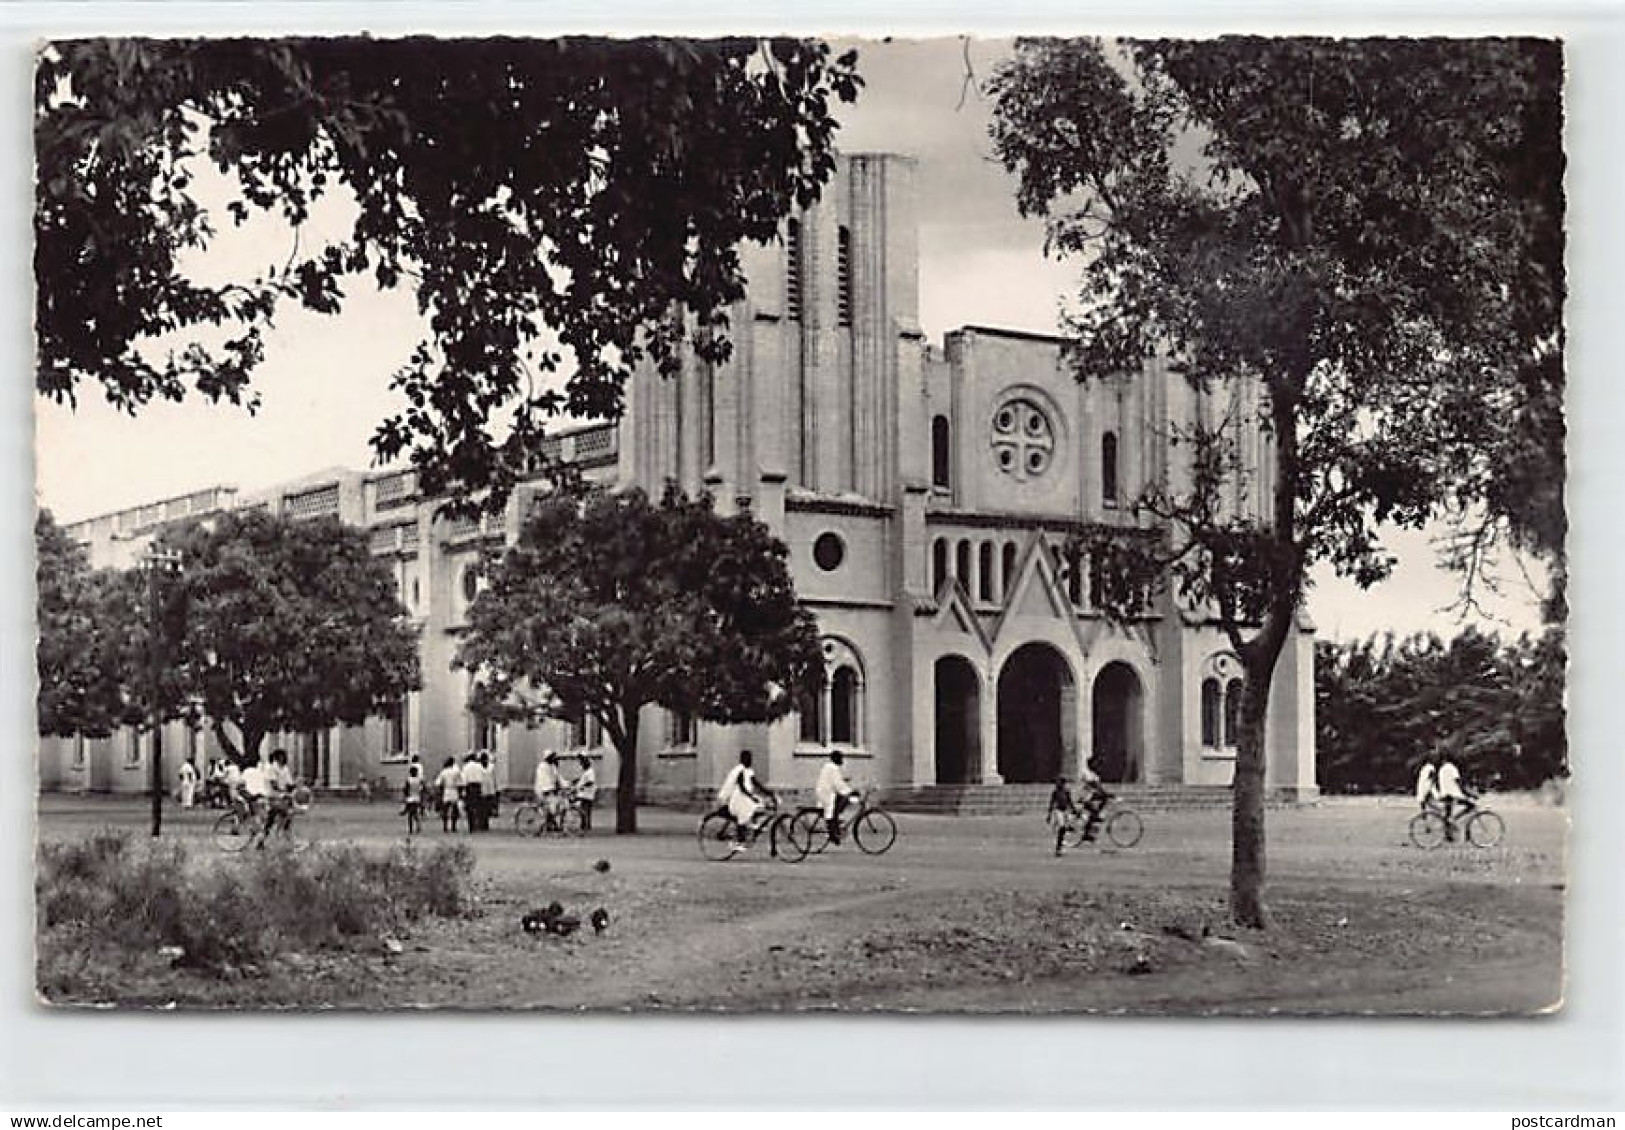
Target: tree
[(90, 630), (552, 203), (1382, 705), (608, 604), (1342, 226), (289, 625)]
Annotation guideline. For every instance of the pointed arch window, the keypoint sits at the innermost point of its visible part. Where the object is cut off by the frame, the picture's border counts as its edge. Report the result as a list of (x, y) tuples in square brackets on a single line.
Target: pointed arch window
[(984, 575), (939, 564), (1211, 697), (940, 436), (834, 713), (962, 565), (1108, 470), (1232, 711), (844, 690), (1007, 572)]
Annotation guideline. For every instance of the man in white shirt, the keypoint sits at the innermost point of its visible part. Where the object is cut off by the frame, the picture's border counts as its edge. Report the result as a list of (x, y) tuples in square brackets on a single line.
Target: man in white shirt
[(1427, 784), (834, 792), (449, 784), (585, 791), (745, 797), (549, 786), (189, 778), (474, 793), (1452, 793)]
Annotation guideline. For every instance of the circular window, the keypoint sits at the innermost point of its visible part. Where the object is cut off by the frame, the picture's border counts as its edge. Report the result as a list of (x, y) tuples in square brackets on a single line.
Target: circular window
[(1023, 439), (829, 551), (471, 583)]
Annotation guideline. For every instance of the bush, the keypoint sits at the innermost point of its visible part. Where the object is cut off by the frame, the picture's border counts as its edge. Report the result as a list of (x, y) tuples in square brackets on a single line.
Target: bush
[(109, 891)]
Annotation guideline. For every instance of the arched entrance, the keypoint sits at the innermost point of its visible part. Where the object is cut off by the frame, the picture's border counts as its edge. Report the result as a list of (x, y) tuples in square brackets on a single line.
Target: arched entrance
[(959, 721), (1118, 724), (1037, 705)]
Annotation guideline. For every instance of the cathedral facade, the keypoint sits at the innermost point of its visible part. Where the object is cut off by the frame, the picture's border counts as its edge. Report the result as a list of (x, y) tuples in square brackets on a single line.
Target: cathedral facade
[(927, 494)]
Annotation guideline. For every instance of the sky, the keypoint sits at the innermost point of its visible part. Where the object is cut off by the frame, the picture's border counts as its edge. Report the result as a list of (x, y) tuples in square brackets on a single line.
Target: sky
[(324, 381)]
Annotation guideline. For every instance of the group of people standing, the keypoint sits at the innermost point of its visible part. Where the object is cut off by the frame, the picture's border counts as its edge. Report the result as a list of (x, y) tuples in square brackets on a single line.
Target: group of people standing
[(461, 792), (555, 794)]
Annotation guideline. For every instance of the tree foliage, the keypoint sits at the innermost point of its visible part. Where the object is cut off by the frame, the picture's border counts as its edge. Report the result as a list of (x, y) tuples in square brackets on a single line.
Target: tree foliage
[(288, 625), (87, 646), (551, 203), (609, 603), (1360, 231), (1383, 704)]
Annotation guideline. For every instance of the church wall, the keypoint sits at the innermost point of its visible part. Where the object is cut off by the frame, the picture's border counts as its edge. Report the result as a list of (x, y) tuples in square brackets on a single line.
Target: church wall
[(988, 372), (863, 573)]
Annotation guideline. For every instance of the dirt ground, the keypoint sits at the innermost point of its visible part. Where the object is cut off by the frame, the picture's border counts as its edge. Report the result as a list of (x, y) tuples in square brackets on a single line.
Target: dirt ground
[(969, 914)]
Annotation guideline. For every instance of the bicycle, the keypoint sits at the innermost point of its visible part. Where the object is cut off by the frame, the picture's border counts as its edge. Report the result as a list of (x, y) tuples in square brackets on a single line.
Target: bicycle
[(872, 829), (1479, 826), (243, 824), (533, 819), (1122, 825), (719, 832)]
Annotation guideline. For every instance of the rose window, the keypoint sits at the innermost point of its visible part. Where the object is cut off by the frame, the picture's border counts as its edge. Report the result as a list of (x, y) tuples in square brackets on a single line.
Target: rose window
[(1023, 439)]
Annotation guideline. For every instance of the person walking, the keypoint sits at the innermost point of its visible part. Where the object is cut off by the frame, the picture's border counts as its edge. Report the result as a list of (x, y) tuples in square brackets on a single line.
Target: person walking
[(474, 793), (189, 778), (585, 790), (449, 785), (412, 795)]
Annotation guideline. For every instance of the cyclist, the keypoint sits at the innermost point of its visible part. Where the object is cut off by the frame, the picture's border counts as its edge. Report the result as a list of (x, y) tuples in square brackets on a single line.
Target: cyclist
[(1452, 793), (745, 798), (1427, 784), (549, 787), (279, 793), (834, 792), (1094, 799)]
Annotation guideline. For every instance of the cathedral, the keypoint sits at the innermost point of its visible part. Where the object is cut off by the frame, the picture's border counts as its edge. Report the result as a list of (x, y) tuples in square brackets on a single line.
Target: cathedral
[(927, 494)]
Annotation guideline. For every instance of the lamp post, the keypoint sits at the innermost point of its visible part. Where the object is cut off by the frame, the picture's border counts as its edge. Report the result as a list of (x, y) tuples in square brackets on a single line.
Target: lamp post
[(155, 563)]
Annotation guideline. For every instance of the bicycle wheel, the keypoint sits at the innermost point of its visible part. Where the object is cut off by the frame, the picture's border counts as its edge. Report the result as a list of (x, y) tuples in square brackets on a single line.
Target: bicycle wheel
[(1072, 831), (303, 798), (231, 832), (1427, 830), (875, 831), (811, 830), (570, 822), (291, 835), (528, 820), (1124, 827), (1485, 829), (717, 836), (786, 839)]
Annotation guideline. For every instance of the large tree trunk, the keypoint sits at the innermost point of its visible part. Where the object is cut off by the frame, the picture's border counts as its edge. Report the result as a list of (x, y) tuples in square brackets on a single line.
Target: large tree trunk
[(626, 777), (1247, 803), (1258, 657)]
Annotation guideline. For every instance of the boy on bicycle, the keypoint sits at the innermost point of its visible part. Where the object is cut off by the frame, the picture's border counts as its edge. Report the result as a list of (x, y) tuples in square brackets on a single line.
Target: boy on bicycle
[(745, 798), (834, 792)]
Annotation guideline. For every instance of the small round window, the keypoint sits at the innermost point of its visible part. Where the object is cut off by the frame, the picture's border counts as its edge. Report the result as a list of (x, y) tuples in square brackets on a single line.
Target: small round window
[(829, 551), (1023, 439)]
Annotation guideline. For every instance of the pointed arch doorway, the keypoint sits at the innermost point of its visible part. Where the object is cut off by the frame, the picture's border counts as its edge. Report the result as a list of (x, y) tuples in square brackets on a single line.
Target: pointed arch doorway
[(959, 721), (1037, 709), (1118, 724)]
